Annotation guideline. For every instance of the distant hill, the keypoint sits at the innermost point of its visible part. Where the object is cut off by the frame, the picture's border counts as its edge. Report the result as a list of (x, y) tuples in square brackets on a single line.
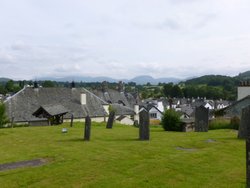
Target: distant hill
[(4, 79), (138, 80), (212, 80), (78, 79), (218, 80), (148, 79), (244, 75)]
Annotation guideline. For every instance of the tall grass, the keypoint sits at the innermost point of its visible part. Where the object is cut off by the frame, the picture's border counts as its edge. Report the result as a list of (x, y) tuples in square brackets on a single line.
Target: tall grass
[(222, 123)]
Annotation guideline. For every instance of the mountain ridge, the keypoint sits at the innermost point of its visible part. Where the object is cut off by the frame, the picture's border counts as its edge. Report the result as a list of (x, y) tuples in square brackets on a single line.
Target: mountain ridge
[(143, 79)]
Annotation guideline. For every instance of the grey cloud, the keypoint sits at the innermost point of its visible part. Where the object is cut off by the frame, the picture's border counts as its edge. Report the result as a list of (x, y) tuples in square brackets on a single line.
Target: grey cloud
[(183, 1), (169, 24), (203, 20)]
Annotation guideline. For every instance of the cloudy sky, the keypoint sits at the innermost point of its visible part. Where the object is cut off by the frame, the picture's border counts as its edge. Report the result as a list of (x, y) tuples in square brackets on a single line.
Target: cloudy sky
[(123, 39)]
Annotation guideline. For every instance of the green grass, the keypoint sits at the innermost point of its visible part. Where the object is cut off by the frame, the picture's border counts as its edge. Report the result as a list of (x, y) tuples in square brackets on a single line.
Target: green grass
[(222, 123), (115, 158)]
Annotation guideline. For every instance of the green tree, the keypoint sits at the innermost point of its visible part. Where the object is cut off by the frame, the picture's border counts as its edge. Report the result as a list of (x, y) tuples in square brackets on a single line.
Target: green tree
[(176, 91), (167, 88), (48, 83), (3, 117), (171, 121), (10, 86)]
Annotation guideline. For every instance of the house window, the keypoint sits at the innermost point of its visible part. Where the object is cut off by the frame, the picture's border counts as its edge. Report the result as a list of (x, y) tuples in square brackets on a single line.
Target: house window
[(153, 115)]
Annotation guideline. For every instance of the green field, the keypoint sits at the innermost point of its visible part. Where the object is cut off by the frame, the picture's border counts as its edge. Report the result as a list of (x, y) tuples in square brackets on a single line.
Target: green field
[(115, 158)]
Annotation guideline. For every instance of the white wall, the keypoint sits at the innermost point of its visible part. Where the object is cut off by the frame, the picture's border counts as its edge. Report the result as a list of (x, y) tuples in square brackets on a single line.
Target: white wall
[(158, 114), (126, 121), (243, 91)]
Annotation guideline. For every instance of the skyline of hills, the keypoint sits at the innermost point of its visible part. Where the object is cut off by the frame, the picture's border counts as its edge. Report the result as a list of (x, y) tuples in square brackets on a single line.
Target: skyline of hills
[(142, 79)]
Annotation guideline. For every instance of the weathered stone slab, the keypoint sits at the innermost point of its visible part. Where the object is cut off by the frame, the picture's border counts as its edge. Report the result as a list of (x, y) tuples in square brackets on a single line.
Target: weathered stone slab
[(71, 120), (201, 119), (144, 125), (110, 120), (87, 129), (244, 129), (21, 164), (248, 162)]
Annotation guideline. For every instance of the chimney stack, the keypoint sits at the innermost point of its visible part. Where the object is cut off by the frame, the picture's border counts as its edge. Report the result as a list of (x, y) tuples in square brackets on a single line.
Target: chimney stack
[(72, 85), (104, 86), (121, 86), (83, 98)]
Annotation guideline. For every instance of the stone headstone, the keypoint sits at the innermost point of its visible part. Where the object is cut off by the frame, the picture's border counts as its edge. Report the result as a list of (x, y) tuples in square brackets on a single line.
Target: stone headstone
[(12, 122), (87, 129), (248, 161), (144, 125), (201, 119), (110, 120), (244, 129), (71, 120)]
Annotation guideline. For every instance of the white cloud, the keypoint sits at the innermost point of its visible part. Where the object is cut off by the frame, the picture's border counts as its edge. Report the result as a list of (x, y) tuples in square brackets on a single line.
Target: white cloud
[(123, 39)]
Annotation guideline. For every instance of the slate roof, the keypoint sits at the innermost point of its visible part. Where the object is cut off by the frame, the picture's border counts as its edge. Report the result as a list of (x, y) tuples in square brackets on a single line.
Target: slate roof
[(150, 106), (121, 118), (23, 104), (113, 96), (235, 108), (122, 110), (187, 110), (51, 110)]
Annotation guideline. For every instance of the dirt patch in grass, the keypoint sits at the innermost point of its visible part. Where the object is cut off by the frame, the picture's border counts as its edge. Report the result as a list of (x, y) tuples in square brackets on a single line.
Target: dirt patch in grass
[(186, 149), (21, 164), (210, 141)]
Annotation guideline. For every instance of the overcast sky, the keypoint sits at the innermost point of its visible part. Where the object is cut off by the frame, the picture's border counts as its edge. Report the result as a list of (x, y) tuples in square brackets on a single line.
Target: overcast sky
[(123, 38)]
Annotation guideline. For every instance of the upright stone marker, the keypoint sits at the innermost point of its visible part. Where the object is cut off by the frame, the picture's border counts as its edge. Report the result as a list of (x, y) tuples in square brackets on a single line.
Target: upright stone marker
[(110, 120), (71, 120), (12, 122), (87, 128), (244, 131), (248, 161), (201, 119), (144, 125)]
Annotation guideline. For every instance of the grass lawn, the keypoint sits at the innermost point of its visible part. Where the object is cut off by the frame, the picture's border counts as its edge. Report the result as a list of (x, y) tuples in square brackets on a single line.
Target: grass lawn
[(115, 158)]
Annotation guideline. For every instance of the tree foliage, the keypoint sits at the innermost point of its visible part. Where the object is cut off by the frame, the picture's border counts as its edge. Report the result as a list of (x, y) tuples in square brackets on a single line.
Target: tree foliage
[(3, 117), (171, 121)]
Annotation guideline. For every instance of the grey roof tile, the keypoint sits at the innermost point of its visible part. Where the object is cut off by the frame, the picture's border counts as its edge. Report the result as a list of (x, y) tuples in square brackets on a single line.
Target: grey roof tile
[(24, 103)]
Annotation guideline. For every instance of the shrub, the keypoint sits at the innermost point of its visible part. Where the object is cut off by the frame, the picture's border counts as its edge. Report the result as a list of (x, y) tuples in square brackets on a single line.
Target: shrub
[(3, 117), (171, 121)]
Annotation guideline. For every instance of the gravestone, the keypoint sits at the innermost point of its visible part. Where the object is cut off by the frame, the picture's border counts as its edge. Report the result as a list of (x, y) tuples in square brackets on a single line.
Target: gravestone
[(248, 161), (110, 120), (244, 132), (201, 119), (71, 120), (12, 122), (87, 128), (244, 129), (144, 125)]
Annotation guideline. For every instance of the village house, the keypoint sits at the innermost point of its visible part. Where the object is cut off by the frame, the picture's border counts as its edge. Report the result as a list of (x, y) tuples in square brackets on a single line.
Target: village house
[(124, 104), (243, 100), (155, 109), (78, 102)]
